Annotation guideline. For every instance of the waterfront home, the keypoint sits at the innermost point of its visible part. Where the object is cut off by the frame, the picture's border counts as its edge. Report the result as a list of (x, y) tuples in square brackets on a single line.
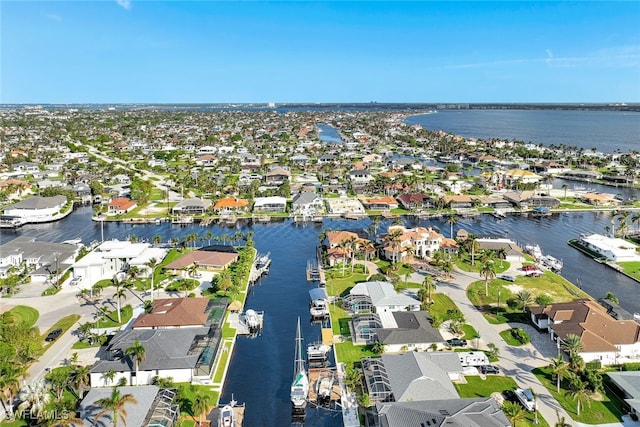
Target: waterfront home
[(116, 256), (121, 205), (153, 406), (277, 176), (202, 259), (510, 249), (334, 239), (15, 188), (380, 297), (175, 313), (412, 376), (269, 204), (307, 203), (385, 203), (513, 177), (230, 206), (36, 209), (191, 206), (407, 331), (42, 259), (612, 248), (457, 201), (550, 167), (529, 199), (627, 386), (603, 338), (423, 242), (472, 412), (415, 201), (600, 199), (359, 177), (344, 206)]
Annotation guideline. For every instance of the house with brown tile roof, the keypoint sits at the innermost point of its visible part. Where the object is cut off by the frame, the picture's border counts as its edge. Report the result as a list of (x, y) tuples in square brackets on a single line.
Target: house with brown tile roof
[(174, 313), (603, 338), (381, 203), (600, 199), (231, 205), (208, 260)]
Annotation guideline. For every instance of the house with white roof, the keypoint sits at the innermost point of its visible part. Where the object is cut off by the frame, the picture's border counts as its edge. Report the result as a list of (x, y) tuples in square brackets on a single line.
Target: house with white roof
[(383, 297), (270, 204), (612, 248), (113, 256), (37, 209)]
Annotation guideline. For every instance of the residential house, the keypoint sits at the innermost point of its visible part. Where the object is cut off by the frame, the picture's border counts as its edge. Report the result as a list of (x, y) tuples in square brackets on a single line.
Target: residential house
[(382, 297), (307, 203), (600, 199), (627, 387), (385, 203), (116, 256), (175, 313), (15, 188), (613, 249), (510, 249), (458, 201), (122, 179), (26, 168), (603, 338), (191, 206), (407, 331), (42, 259), (422, 242), (121, 205), (153, 406), (344, 206), (36, 209), (360, 177), (513, 177), (415, 201), (231, 206), (529, 199), (277, 176), (202, 259), (269, 204)]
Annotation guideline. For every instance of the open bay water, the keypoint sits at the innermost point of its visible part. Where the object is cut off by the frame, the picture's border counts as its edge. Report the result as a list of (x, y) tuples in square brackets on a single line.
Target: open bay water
[(607, 131), (261, 368)]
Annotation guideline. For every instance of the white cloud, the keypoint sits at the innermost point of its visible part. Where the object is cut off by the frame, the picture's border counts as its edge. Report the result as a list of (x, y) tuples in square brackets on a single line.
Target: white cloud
[(124, 3), (53, 17)]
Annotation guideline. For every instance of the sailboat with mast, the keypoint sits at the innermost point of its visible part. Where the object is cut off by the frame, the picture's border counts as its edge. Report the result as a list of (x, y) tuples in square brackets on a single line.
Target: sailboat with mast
[(300, 385)]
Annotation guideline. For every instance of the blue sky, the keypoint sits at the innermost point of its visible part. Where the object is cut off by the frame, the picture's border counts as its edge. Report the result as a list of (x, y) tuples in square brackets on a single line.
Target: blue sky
[(294, 51)]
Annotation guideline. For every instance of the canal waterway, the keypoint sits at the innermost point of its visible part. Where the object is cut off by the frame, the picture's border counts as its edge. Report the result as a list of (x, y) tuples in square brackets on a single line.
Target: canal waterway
[(261, 368)]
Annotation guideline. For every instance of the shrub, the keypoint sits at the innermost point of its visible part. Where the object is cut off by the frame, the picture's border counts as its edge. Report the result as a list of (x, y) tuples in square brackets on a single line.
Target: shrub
[(520, 335)]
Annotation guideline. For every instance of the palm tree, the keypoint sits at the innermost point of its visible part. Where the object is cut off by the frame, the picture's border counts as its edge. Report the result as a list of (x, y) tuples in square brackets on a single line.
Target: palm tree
[(66, 419), (564, 187), (560, 368), (452, 220), (114, 406), (611, 297), (352, 246), (118, 295), (514, 412), (488, 271), (81, 378), (9, 386), (561, 421), (109, 376), (447, 267), (524, 298), (152, 264), (394, 237), (200, 405), (34, 396), (572, 344), (581, 395), (137, 352), (344, 246)]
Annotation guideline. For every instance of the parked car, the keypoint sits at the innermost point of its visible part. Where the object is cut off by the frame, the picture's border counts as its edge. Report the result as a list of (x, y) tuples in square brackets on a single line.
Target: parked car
[(456, 342), (489, 369), (525, 397), (507, 277), (76, 280), (53, 335)]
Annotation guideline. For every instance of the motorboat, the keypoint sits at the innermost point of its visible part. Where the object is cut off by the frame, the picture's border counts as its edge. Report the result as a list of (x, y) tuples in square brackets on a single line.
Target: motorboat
[(226, 417), (318, 351), (533, 250)]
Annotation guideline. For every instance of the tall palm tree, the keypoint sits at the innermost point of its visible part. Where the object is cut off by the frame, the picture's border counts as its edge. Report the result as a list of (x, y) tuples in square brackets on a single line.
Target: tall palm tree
[(514, 412), (560, 368), (9, 386), (447, 266), (200, 406), (394, 237), (564, 187), (352, 247), (65, 419), (114, 406), (344, 248), (118, 295), (81, 378), (488, 271), (580, 395), (152, 264), (561, 421), (34, 397), (137, 353), (452, 220), (109, 376)]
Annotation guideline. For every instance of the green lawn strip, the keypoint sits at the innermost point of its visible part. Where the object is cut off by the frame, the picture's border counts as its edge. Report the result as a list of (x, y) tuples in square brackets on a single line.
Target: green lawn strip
[(187, 393), (349, 354), (508, 337), (222, 363), (441, 304), (80, 345), (339, 321), (24, 314), (65, 324), (632, 268), (478, 387), (111, 318), (607, 410), (338, 285), (469, 332)]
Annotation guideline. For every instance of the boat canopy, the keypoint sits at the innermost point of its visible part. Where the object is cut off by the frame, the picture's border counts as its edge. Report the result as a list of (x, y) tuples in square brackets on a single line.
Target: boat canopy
[(318, 294)]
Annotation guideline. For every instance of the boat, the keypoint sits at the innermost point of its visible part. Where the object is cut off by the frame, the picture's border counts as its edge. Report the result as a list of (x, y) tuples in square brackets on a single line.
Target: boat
[(325, 388), (72, 241), (253, 320), (499, 214), (300, 384), (226, 417), (540, 211), (318, 303), (8, 221), (318, 351), (533, 250), (551, 263)]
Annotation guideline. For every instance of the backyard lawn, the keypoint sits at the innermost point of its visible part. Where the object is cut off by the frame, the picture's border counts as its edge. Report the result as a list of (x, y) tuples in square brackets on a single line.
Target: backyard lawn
[(24, 314), (349, 354), (632, 268)]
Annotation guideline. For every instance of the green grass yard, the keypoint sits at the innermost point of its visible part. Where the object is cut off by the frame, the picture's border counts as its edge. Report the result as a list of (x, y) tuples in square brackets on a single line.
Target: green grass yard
[(24, 314)]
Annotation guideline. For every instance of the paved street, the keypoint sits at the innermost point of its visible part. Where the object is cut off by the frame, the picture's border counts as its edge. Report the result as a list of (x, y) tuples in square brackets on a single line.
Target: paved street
[(515, 362)]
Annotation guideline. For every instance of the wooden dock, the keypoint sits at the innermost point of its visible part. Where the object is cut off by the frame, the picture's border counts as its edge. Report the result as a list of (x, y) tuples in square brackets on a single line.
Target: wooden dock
[(238, 416), (315, 375)]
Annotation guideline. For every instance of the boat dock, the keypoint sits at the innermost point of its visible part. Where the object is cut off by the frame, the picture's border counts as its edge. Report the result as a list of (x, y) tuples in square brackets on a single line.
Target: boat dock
[(238, 415), (260, 267), (239, 322), (315, 273), (320, 379)]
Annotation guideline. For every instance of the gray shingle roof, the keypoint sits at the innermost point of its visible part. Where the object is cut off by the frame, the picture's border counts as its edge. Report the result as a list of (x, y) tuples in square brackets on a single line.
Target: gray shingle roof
[(37, 202), (136, 412), (413, 327)]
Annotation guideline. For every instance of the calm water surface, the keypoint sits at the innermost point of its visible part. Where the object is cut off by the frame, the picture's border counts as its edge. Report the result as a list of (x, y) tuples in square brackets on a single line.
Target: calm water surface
[(261, 368), (608, 131)]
